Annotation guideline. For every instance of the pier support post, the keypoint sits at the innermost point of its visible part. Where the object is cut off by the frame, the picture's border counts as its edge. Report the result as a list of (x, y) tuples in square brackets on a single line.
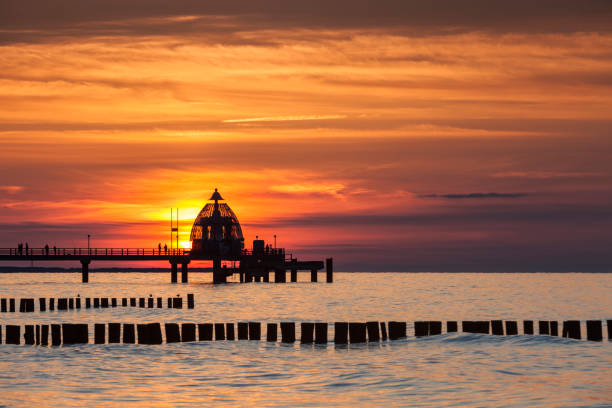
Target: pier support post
[(294, 275), (218, 275), (313, 275), (173, 272), (266, 275), (280, 275), (329, 267), (184, 272), (85, 270)]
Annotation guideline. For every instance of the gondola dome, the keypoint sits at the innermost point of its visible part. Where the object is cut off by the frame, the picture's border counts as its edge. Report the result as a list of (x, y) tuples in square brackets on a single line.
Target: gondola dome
[(216, 230)]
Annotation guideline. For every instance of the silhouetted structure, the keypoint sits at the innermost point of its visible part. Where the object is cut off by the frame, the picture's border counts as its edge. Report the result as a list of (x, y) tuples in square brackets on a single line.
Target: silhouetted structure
[(216, 235)]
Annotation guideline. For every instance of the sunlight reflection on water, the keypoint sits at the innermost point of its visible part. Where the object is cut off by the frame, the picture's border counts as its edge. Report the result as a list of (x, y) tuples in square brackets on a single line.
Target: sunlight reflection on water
[(454, 370)]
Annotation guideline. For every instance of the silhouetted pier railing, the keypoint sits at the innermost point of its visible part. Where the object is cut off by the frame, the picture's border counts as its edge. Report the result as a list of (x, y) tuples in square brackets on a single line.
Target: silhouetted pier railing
[(92, 252), (310, 332)]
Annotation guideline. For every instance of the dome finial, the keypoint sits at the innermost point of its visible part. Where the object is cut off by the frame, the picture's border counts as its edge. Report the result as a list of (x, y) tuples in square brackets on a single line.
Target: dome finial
[(216, 196)]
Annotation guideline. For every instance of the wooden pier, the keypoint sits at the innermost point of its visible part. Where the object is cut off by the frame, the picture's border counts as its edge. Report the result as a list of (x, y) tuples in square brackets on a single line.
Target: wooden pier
[(254, 265)]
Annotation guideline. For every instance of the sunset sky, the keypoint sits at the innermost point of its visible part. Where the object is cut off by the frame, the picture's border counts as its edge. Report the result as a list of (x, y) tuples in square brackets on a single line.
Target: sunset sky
[(391, 135)]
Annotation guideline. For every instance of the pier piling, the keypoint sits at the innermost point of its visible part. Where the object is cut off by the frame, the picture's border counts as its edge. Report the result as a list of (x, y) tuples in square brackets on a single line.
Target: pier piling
[(451, 327), (271, 332), (205, 331), (229, 331), (383, 330), (85, 270), (329, 269), (13, 334), (313, 275), (480, 327), (12, 305), (397, 330), (129, 335), (173, 334), (254, 331), (421, 329), (357, 332), (87, 303), (320, 333), (287, 332), (243, 331), (219, 331), (497, 328), (293, 275), (341, 332), (373, 333), (99, 333), (511, 328), (571, 329), (173, 272), (554, 328), (594, 330), (188, 332), (527, 326), (56, 334), (96, 303), (42, 304), (184, 272), (307, 330), (28, 334), (114, 333), (190, 301), (44, 335), (544, 327), (3, 305)]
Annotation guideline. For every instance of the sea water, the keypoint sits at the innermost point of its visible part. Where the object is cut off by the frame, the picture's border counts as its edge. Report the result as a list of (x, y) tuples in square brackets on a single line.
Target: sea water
[(454, 369)]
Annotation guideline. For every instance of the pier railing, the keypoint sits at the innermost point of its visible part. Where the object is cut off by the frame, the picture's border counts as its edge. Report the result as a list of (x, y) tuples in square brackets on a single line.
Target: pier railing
[(51, 251)]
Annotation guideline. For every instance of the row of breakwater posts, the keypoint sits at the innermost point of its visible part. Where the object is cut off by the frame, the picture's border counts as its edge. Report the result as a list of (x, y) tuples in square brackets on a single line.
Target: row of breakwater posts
[(27, 305), (311, 332)]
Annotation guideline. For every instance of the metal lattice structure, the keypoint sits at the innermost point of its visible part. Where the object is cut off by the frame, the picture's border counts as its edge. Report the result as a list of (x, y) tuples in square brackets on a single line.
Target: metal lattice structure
[(216, 231)]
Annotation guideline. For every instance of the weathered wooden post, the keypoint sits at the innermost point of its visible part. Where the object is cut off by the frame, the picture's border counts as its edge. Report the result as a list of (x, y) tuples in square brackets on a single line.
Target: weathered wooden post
[(96, 303), (114, 333), (229, 331), (307, 332), (85, 270), (594, 330), (313, 275), (143, 333), (373, 333), (62, 304), (190, 301), (154, 333), (287, 332), (554, 328), (280, 275), (341, 332), (124, 302), (609, 324), (205, 331), (177, 302), (383, 330), (77, 302), (44, 335), (56, 334), (571, 329), (219, 331), (87, 303), (435, 328), (254, 331), (527, 326), (188, 332), (173, 334), (141, 302), (13, 334), (544, 327), (12, 305), (114, 302), (266, 275), (3, 305), (397, 330), (150, 302), (170, 303), (42, 304), (173, 271), (104, 302), (293, 275), (159, 303), (511, 328), (479, 327), (185, 271), (28, 334), (329, 268), (129, 335), (271, 332), (357, 332), (37, 335), (421, 329), (70, 303), (243, 331), (320, 333), (99, 333), (497, 328)]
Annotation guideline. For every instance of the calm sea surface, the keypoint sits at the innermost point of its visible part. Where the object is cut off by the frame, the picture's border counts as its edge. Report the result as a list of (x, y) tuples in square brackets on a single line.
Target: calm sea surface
[(450, 370)]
